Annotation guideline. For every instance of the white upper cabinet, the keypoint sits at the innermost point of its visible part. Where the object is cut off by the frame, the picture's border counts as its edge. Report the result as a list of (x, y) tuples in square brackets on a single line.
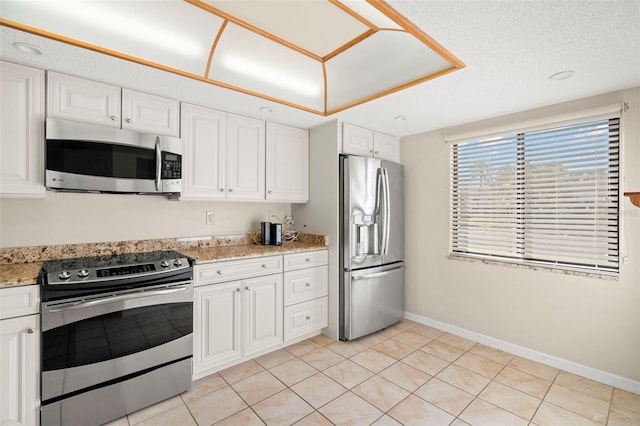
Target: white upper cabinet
[(223, 155), (245, 158), (287, 164), (367, 143), (22, 131), (203, 153), (74, 98), (150, 113)]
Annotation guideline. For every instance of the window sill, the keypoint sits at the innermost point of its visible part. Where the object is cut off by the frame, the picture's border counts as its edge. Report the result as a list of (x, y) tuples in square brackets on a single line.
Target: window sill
[(535, 267)]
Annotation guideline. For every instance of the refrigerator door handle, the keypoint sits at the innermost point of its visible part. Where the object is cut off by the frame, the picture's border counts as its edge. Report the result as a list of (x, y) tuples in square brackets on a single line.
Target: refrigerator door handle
[(387, 212), (375, 275)]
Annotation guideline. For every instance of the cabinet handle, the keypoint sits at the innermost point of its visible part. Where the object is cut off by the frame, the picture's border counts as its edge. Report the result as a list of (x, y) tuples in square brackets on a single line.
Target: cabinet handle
[(375, 152), (221, 189), (308, 317), (219, 272), (371, 151), (30, 330), (238, 290), (307, 285), (246, 288), (270, 192), (230, 189), (264, 266), (114, 118), (308, 260), (128, 120)]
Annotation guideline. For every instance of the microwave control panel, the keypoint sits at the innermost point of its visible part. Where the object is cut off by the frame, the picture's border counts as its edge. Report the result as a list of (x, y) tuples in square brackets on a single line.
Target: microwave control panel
[(171, 166)]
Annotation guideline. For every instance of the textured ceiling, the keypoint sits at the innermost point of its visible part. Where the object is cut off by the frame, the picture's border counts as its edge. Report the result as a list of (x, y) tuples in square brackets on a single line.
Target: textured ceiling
[(510, 48)]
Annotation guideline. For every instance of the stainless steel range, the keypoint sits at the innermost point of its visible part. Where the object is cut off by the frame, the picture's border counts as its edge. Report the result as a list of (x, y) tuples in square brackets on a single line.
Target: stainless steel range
[(117, 335)]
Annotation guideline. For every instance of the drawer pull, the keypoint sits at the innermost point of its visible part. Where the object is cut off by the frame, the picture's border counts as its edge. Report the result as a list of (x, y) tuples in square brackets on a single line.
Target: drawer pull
[(238, 289), (264, 266), (246, 288), (308, 317), (307, 285), (219, 272), (30, 330), (308, 260)]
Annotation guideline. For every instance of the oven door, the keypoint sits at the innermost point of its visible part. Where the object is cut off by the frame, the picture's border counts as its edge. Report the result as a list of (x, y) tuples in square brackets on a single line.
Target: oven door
[(105, 338)]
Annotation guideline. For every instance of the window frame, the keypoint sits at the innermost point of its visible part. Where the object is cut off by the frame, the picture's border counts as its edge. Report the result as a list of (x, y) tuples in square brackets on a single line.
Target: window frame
[(520, 131)]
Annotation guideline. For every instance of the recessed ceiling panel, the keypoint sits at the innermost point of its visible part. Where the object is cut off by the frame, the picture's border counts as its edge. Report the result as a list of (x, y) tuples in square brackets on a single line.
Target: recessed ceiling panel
[(383, 62), (257, 64), (319, 27), (371, 14), (173, 34)]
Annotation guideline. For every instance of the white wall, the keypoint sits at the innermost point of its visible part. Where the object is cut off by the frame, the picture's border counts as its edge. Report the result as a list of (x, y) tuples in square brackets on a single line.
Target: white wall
[(589, 321), (68, 218)]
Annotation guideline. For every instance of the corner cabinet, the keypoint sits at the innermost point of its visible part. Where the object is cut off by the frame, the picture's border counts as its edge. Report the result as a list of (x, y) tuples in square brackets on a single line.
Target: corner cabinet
[(21, 132), (367, 143), (19, 356), (287, 164), (78, 99)]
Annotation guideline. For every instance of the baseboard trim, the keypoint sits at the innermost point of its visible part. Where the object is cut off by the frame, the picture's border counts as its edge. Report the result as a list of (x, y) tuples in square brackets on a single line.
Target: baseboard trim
[(533, 355)]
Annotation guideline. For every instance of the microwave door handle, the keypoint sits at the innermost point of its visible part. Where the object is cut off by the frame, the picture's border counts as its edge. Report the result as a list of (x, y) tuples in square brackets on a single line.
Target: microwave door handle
[(158, 163)]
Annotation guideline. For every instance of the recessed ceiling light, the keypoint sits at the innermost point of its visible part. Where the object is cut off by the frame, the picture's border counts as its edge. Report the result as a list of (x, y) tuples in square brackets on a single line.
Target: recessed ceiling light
[(400, 118), (266, 109), (27, 48), (562, 75)]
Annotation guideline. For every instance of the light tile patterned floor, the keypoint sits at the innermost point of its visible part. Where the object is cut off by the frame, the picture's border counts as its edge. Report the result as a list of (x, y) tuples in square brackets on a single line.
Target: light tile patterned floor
[(407, 374)]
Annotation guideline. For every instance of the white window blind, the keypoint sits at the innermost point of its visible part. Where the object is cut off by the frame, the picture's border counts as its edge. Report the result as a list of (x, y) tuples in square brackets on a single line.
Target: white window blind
[(546, 196)]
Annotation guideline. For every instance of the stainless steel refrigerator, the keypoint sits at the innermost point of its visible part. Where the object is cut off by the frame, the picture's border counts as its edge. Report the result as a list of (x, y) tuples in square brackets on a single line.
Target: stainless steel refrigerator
[(371, 246)]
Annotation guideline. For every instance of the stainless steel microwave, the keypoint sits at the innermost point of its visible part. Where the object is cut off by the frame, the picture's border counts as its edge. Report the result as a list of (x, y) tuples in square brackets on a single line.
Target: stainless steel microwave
[(92, 158)]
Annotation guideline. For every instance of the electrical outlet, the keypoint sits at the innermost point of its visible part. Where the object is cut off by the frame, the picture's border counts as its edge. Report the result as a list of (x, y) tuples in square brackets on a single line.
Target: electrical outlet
[(210, 217), (625, 260), (277, 216)]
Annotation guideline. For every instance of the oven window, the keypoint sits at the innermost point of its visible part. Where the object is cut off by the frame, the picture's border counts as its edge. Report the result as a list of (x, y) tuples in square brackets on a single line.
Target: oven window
[(101, 159), (115, 335)]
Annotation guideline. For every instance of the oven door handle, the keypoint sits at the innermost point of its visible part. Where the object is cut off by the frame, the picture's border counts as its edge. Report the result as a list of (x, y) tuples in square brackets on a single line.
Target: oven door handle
[(80, 304)]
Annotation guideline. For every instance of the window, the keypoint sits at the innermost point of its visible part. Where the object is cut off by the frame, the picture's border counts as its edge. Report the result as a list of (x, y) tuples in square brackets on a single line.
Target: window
[(544, 196)]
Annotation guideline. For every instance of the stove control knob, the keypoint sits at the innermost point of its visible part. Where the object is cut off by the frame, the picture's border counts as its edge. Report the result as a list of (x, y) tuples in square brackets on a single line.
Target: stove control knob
[(164, 263), (177, 262), (83, 273), (64, 275)]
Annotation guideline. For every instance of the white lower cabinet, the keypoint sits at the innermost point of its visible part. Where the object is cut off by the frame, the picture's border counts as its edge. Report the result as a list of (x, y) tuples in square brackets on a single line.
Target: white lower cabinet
[(236, 319), (248, 307), (19, 358), (305, 293)]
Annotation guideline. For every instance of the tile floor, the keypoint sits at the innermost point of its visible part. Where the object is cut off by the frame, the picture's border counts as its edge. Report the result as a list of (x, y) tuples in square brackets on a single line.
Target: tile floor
[(408, 374)]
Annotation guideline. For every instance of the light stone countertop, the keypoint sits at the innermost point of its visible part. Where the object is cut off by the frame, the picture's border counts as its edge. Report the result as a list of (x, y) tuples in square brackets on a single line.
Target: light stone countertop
[(26, 273)]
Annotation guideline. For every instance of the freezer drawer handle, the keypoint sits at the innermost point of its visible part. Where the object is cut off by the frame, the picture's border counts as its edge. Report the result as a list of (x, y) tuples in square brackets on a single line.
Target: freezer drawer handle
[(376, 275)]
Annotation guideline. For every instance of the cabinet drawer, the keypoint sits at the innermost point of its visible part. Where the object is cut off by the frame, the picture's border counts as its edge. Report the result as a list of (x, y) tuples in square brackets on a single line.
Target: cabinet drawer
[(19, 301), (305, 284), (305, 260), (237, 269), (305, 317)]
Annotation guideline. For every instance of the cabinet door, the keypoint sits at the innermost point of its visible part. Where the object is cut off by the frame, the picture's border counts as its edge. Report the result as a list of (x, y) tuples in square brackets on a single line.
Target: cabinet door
[(263, 313), (19, 371), (386, 147), (356, 140), (217, 325), (149, 113), (21, 132), (203, 153), (245, 158), (74, 98), (287, 164)]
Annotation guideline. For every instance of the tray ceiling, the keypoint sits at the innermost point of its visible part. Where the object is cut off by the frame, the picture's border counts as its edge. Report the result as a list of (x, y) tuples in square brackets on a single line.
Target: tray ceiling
[(321, 56)]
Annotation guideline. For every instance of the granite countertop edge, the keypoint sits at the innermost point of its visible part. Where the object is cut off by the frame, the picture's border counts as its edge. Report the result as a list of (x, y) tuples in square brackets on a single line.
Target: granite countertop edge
[(22, 274)]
